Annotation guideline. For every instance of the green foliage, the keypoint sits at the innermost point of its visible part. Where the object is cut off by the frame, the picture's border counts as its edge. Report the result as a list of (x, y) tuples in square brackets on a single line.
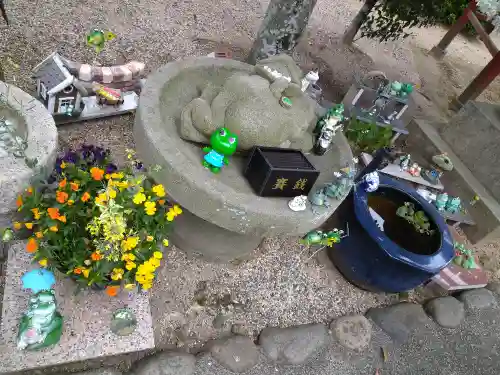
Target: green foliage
[(391, 19), (418, 219), (367, 137)]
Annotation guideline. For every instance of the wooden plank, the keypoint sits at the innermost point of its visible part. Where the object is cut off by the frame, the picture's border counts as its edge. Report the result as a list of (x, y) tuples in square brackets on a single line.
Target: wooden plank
[(482, 33), (395, 171)]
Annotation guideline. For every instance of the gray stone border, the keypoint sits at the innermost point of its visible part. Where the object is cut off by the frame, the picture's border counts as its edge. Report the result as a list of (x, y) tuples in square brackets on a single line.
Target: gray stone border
[(300, 344), (42, 139)]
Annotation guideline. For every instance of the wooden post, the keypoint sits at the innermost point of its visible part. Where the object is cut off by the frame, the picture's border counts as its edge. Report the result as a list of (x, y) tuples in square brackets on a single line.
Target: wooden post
[(358, 21), (482, 80), (439, 50)]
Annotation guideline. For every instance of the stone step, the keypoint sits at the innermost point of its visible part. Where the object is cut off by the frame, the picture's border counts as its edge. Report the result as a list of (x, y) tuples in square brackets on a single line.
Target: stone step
[(426, 142), (87, 316)]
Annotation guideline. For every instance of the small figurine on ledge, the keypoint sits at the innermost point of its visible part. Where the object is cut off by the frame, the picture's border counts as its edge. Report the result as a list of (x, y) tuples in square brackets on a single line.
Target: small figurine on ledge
[(441, 201), (327, 127), (318, 199), (415, 170), (464, 257), (41, 326), (443, 162), (223, 144), (298, 203), (318, 237), (404, 162), (310, 79), (370, 182), (453, 205)]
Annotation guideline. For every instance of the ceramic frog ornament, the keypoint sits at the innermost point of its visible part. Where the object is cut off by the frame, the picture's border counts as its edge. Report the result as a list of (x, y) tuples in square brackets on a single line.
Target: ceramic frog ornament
[(42, 324), (223, 144), (441, 201), (453, 205)]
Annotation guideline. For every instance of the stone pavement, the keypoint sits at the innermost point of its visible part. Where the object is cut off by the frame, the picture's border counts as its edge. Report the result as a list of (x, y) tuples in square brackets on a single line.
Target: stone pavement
[(413, 341)]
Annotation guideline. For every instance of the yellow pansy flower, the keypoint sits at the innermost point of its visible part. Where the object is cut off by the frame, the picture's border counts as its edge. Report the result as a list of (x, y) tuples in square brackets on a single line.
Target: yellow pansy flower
[(139, 198), (150, 208), (165, 242), (173, 212), (117, 274), (149, 276), (130, 243), (117, 176), (147, 286), (28, 225), (130, 265), (86, 272), (43, 262), (155, 262), (129, 286), (157, 255), (159, 190), (149, 238), (112, 193)]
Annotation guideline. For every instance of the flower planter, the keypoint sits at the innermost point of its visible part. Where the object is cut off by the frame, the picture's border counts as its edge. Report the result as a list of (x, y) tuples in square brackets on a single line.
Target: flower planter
[(398, 258)]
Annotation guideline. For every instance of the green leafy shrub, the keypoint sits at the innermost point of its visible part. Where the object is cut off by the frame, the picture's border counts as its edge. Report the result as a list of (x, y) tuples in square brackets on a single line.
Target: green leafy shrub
[(367, 137)]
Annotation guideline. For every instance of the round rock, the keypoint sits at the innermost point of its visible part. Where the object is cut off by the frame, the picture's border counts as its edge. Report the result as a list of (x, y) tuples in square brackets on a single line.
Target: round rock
[(236, 353), (166, 364), (448, 312), (494, 287), (477, 299), (101, 371), (293, 345), (354, 332)]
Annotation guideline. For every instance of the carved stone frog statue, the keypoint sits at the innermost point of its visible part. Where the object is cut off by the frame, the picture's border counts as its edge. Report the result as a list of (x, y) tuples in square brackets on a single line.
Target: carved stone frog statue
[(249, 106)]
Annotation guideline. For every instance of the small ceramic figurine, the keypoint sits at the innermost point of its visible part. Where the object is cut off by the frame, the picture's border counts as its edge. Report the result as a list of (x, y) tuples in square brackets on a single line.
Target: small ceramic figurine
[(42, 324), (406, 89), (404, 162), (298, 203), (453, 205), (395, 88), (318, 199), (415, 170), (441, 200), (431, 175), (370, 182), (327, 127), (310, 78), (443, 162), (474, 200), (223, 144), (318, 237), (464, 257)]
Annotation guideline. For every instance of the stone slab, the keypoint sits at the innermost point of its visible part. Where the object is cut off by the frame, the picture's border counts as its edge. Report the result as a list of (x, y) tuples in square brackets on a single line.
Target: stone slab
[(426, 142), (473, 134), (87, 317)]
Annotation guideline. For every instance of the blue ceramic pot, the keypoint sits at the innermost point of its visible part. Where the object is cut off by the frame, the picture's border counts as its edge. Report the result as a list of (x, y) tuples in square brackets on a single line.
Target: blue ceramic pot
[(398, 258)]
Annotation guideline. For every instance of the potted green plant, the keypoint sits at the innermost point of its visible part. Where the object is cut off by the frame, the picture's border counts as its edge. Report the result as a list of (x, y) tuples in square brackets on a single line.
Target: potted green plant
[(367, 137)]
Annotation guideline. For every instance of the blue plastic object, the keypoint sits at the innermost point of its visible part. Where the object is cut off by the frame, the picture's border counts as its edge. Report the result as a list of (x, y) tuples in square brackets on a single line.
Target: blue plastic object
[(38, 280), (372, 261)]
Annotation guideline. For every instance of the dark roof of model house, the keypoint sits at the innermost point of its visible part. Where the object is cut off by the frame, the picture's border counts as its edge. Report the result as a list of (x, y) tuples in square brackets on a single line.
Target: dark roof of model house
[(55, 75)]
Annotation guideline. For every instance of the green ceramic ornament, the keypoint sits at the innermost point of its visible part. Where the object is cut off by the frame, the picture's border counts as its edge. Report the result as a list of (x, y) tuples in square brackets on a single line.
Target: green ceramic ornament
[(41, 326)]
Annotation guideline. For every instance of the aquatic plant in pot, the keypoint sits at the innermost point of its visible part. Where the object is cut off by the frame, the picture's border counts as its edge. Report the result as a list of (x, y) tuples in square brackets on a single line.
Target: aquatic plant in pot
[(367, 137), (100, 225)]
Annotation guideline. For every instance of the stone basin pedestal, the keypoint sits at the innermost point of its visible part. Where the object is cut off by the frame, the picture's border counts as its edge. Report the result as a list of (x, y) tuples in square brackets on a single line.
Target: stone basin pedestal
[(36, 126), (224, 219)]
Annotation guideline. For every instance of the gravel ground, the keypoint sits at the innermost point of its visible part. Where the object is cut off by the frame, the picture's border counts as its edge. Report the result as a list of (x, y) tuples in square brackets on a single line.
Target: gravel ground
[(281, 286)]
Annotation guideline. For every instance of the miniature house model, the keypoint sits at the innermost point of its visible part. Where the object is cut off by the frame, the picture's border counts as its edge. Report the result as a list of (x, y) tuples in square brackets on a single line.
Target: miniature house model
[(69, 90), (57, 88)]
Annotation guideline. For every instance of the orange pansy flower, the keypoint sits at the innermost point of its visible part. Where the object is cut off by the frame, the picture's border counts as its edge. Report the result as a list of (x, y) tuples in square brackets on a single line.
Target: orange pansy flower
[(31, 246), (53, 228), (39, 234), (77, 271), (29, 190), (36, 213), (61, 196), (161, 201), (53, 213), (28, 225), (85, 196), (74, 186), (96, 256), (62, 219), (96, 173), (112, 290), (62, 183), (19, 201)]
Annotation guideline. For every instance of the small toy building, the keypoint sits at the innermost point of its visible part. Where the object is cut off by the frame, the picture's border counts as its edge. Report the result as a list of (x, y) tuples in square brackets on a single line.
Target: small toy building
[(57, 88), (75, 92)]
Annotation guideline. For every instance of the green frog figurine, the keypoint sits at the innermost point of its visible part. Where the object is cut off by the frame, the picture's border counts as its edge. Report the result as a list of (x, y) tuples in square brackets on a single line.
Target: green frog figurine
[(453, 205), (223, 144), (441, 200), (41, 325)]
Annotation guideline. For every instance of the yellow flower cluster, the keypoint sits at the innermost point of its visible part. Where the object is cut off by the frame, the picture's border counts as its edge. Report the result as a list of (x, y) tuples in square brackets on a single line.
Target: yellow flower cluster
[(145, 272), (130, 243), (173, 212)]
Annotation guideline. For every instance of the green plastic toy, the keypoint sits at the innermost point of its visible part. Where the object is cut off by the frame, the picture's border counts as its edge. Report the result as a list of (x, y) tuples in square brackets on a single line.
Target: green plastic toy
[(464, 257), (318, 237), (223, 144)]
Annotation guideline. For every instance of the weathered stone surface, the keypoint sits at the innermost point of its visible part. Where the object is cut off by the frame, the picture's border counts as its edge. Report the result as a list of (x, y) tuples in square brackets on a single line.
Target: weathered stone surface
[(353, 332), (477, 299), (293, 345), (399, 320), (236, 353), (448, 312), (247, 103), (36, 125), (170, 363), (224, 201), (101, 371), (494, 287)]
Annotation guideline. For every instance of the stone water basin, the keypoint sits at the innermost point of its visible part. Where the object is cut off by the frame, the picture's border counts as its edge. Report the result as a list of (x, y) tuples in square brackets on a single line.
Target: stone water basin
[(223, 219), (32, 124)]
